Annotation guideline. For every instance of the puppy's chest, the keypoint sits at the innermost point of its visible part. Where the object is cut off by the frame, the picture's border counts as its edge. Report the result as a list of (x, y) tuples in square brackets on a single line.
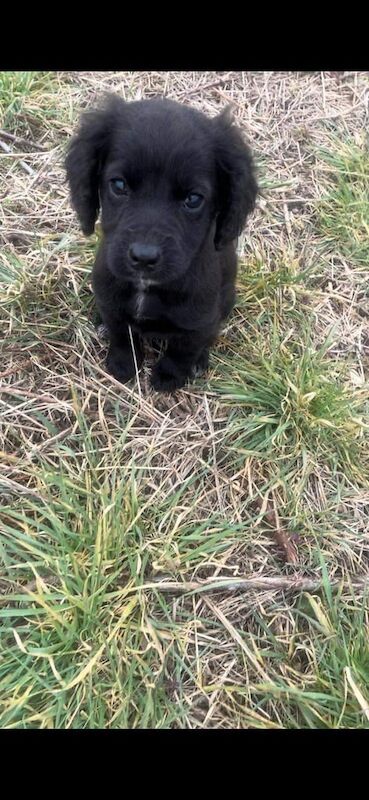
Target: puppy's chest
[(149, 314), (139, 303), (144, 304)]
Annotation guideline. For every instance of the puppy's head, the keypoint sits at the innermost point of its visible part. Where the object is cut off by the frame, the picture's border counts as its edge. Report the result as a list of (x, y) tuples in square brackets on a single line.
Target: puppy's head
[(167, 178)]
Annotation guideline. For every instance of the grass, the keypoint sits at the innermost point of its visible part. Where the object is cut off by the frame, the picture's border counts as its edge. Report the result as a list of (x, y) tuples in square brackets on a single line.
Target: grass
[(198, 560), (344, 208), (289, 395), (20, 94)]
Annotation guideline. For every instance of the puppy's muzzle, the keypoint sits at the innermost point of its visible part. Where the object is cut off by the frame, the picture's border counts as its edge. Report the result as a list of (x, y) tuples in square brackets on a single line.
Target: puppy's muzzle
[(144, 256)]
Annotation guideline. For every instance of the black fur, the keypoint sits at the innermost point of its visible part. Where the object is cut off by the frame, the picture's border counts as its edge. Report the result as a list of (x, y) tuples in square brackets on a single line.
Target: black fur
[(164, 152)]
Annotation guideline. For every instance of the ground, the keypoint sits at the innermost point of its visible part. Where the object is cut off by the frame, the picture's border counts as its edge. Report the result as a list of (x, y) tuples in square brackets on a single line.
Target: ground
[(198, 560)]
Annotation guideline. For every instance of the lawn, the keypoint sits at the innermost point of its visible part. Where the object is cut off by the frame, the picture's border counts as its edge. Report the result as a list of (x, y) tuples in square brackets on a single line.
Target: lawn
[(198, 560)]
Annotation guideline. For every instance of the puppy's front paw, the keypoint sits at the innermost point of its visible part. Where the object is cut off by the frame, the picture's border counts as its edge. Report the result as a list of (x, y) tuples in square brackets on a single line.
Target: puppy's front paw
[(202, 365), (166, 376), (120, 364)]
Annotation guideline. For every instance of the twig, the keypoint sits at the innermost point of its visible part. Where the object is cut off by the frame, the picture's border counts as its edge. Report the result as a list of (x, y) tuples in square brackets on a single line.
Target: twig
[(21, 140), (280, 584), (8, 150), (26, 363), (202, 87), (7, 233), (12, 487)]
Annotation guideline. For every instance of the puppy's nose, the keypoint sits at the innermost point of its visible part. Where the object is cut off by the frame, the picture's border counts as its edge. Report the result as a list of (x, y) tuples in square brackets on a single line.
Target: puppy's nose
[(146, 255)]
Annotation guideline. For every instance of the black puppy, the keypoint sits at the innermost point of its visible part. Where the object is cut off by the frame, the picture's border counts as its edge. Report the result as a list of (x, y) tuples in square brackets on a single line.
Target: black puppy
[(175, 189)]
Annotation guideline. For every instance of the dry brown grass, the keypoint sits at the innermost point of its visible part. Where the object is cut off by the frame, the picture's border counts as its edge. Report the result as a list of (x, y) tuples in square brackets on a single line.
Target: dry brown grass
[(203, 556)]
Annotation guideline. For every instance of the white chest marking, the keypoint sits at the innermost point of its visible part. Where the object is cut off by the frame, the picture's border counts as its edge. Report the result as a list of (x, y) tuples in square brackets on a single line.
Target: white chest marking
[(141, 296), (140, 302)]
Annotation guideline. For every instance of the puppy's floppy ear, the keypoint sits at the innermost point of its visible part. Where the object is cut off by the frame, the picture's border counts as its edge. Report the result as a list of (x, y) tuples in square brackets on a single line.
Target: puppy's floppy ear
[(85, 157), (237, 187)]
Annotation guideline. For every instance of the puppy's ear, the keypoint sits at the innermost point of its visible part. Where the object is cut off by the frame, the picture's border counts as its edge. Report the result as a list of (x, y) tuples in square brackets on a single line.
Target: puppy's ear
[(237, 187), (85, 157)]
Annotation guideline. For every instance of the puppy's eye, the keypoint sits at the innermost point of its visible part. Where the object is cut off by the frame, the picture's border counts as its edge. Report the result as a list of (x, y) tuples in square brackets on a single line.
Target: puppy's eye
[(193, 200), (118, 186)]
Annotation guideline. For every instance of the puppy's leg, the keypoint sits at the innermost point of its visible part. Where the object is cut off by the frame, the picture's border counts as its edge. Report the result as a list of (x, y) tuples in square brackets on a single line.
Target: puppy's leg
[(202, 363), (183, 355), (228, 300), (120, 360)]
